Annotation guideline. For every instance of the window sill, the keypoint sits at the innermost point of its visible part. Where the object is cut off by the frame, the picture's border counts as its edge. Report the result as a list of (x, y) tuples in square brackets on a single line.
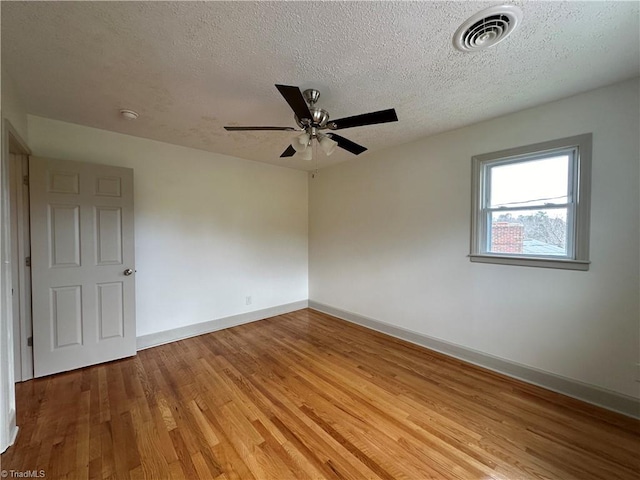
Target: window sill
[(564, 264)]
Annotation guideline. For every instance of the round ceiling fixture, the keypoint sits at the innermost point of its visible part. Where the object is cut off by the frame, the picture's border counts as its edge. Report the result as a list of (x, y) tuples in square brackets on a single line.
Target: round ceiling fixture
[(129, 114), (487, 28)]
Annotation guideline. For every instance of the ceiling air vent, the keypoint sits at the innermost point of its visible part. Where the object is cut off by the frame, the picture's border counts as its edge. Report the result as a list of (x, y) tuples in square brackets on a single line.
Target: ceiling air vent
[(487, 28)]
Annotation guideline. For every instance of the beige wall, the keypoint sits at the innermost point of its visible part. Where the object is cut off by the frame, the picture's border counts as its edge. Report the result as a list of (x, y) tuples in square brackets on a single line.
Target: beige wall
[(210, 229), (12, 106), (389, 238)]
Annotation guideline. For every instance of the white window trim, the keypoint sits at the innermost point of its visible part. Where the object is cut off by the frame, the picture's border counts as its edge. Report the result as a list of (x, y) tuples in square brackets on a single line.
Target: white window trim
[(581, 207)]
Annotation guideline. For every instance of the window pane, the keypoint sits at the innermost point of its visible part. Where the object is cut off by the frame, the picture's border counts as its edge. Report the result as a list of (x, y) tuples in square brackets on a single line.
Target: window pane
[(535, 182), (529, 232)]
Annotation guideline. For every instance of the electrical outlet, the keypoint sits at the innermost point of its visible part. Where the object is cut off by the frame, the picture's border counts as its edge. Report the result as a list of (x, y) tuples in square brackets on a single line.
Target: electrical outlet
[(248, 300), (637, 372)]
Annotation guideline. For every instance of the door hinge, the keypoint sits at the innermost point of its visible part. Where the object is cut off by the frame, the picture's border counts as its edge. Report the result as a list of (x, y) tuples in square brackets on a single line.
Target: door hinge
[(30, 342), (25, 180), (27, 261)]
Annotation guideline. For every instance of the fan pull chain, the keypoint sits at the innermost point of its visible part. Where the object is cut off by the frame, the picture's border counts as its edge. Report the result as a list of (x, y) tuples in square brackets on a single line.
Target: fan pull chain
[(315, 159)]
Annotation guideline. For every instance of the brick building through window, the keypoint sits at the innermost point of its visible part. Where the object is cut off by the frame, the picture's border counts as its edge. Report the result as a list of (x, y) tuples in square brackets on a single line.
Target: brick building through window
[(507, 237)]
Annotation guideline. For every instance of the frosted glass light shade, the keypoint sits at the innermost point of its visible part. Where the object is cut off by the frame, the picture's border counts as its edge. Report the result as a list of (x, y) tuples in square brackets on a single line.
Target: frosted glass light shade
[(307, 154), (328, 145), (300, 143)]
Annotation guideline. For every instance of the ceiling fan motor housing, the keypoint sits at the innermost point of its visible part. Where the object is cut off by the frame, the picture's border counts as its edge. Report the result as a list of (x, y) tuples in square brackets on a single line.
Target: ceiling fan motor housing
[(319, 118)]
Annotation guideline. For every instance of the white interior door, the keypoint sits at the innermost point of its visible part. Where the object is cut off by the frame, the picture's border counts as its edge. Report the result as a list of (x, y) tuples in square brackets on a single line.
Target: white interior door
[(82, 257)]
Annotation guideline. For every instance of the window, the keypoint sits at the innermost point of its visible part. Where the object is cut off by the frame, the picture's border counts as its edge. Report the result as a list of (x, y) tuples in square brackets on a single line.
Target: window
[(530, 205)]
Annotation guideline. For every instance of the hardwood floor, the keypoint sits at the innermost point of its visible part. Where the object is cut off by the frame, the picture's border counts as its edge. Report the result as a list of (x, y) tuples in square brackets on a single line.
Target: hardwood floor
[(306, 395)]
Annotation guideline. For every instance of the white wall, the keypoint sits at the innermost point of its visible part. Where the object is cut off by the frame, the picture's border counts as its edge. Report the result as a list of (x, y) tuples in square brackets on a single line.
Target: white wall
[(389, 238), (12, 110), (210, 229)]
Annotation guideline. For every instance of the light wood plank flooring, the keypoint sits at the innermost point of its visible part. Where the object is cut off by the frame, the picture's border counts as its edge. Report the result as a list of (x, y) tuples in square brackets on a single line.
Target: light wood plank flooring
[(306, 395)]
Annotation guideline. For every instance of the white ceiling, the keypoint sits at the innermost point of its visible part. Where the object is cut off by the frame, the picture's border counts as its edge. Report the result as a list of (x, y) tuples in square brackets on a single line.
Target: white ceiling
[(191, 68)]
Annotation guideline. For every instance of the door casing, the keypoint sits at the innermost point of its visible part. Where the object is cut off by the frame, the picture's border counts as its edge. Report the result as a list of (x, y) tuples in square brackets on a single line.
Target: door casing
[(21, 269)]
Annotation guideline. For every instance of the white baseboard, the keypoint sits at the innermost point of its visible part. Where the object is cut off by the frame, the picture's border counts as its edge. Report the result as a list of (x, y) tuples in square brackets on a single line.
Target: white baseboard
[(168, 336), (608, 399)]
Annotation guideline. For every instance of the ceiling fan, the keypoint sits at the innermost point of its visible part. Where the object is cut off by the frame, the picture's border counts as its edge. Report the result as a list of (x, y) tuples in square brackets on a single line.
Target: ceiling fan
[(312, 120)]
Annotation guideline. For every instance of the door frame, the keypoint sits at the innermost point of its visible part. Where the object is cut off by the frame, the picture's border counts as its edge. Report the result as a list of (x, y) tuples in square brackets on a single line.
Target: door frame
[(19, 213)]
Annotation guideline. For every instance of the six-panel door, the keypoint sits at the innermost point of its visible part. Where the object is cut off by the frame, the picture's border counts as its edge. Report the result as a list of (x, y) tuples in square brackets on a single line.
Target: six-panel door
[(82, 244)]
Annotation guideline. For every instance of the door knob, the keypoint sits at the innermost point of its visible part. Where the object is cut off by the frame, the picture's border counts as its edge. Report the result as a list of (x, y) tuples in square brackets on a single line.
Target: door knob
[(128, 272)]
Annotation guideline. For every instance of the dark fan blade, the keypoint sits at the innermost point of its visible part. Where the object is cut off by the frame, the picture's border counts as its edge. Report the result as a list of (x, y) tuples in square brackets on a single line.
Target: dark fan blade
[(294, 98), (289, 152), (241, 129), (347, 144), (383, 116)]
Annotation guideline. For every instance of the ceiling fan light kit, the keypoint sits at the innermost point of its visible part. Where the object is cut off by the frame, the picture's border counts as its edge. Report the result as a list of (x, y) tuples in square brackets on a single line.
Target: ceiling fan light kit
[(311, 119), (301, 142), (307, 154), (327, 145)]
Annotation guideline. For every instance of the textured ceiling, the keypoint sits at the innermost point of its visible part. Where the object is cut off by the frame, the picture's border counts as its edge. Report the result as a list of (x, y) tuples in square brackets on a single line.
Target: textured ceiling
[(191, 68)]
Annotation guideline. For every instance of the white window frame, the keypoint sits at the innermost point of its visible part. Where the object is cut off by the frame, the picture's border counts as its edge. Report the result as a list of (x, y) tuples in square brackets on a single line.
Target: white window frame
[(577, 206)]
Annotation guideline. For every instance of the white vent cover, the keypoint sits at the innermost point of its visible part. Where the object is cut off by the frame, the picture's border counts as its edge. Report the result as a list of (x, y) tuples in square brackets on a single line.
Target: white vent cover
[(487, 28)]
